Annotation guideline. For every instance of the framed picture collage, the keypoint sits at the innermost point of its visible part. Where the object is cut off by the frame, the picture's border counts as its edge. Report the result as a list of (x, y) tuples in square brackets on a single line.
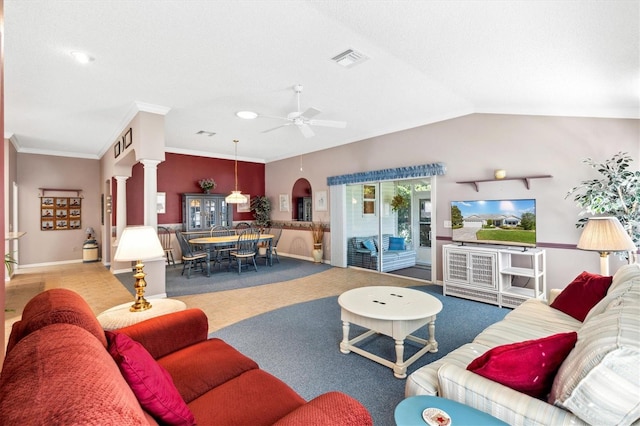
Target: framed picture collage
[(60, 213)]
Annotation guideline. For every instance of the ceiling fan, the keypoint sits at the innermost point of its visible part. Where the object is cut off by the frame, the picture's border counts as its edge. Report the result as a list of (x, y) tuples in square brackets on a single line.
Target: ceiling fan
[(304, 120)]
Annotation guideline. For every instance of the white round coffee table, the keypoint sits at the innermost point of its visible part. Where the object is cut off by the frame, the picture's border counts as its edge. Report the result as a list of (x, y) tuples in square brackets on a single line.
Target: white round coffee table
[(393, 311)]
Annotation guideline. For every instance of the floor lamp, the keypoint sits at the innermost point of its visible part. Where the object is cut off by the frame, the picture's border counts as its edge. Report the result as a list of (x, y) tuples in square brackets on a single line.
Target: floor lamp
[(605, 235), (139, 243)]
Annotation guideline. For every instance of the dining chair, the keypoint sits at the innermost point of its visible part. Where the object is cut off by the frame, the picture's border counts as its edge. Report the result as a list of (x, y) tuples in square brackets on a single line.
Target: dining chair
[(221, 254), (246, 248), (191, 258), (243, 225), (277, 233), (164, 234)]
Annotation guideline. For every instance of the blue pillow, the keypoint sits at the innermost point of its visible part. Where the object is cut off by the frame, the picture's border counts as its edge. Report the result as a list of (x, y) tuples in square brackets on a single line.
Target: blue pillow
[(396, 243), (368, 244)]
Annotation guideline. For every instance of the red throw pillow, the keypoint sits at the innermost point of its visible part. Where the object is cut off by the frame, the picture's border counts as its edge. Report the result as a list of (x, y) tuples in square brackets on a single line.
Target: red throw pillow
[(151, 383), (528, 367), (584, 292)]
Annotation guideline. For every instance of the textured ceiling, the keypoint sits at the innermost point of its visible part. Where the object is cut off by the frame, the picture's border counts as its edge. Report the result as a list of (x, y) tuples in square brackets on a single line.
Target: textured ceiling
[(204, 60)]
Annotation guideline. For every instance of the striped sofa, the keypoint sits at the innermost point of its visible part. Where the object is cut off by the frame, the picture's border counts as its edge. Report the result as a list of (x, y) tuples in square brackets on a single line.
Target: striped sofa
[(598, 382), (392, 260)]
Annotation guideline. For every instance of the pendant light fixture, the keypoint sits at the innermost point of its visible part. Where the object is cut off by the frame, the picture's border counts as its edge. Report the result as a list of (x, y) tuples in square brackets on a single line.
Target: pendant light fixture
[(236, 196)]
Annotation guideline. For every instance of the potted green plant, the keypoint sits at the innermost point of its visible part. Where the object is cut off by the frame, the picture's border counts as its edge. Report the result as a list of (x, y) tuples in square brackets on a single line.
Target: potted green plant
[(9, 261), (616, 193), (398, 202), (207, 185), (261, 208)]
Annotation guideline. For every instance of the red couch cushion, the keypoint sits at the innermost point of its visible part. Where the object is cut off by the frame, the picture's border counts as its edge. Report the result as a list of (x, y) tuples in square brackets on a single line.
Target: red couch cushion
[(254, 398), (528, 367), (582, 294), (203, 366), (61, 374), (151, 383), (54, 306)]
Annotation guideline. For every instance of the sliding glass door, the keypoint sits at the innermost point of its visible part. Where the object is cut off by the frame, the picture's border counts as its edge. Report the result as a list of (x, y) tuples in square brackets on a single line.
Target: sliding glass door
[(388, 226)]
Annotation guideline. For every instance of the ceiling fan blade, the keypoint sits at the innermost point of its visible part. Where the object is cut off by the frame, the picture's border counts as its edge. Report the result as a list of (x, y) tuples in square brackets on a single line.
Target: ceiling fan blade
[(275, 128), (328, 123), (272, 116), (306, 130), (310, 112)]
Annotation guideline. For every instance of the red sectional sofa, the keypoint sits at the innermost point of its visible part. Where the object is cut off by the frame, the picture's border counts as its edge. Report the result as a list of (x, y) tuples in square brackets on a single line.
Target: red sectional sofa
[(58, 371)]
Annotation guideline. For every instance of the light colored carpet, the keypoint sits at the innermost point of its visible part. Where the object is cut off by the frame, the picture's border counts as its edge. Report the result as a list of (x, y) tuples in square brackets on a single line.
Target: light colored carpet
[(102, 290)]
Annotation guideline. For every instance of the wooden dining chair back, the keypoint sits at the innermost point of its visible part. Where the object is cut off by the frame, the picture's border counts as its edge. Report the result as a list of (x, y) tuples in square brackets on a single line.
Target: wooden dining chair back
[(164, 235), (221, 254), (192, 259), (246, 248)]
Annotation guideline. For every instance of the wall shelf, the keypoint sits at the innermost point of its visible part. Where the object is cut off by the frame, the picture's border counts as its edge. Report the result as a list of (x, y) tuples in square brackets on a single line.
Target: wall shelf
[(45, 190), (525, 179)]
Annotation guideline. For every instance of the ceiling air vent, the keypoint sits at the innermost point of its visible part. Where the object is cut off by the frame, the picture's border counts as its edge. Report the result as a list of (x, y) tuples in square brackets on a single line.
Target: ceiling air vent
[(349, 58), (204, 132)]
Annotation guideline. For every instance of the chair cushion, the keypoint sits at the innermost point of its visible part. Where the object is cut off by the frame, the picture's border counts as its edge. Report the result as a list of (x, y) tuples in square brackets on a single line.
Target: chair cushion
[(369, 245), (528, 367), (582, 294), (151, 383), (396, 243)]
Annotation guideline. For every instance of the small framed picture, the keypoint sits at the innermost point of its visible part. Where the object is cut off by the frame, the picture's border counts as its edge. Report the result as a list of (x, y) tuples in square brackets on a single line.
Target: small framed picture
[(128, 138), (321, 201), (284, 202), (74, 202), (47, 201), (161, 202), (47, 225), (116, 150), (245, 207)]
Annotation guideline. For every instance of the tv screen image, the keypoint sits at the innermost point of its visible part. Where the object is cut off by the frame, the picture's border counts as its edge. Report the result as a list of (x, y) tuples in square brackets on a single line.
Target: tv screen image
[(500, 222)]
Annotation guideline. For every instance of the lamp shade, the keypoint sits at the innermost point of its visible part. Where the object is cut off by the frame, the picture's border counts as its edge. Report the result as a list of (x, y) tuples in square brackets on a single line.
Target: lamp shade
[(90, 231), (138, 243), (235, 197), (605, 234)]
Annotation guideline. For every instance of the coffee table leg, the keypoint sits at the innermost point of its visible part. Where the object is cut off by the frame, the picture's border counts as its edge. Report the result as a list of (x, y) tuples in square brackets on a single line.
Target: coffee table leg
[(344, 345), (432, 336), (400, 370)]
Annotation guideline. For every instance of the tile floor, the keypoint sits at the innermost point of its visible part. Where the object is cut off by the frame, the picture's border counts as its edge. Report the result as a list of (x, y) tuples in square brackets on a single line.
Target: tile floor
[(102, 290)]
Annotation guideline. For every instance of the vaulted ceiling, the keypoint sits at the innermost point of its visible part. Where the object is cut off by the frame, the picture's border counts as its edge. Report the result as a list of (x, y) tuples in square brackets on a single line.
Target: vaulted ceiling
[(202, 61)]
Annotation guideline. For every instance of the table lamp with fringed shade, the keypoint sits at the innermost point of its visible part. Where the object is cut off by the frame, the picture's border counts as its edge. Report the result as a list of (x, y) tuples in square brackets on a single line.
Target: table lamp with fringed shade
[(605, 235), (139, 243)]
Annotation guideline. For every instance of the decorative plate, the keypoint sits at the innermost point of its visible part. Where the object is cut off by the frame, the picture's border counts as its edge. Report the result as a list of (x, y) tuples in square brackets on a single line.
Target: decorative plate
[(436, 417)]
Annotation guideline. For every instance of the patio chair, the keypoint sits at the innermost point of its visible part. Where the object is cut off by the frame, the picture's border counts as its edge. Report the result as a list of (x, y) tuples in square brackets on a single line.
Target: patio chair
[(164, 235), (246, 249), (191, 258)]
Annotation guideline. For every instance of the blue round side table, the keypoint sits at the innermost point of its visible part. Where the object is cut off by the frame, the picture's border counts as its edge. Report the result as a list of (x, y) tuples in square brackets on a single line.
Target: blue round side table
[(409, 412)]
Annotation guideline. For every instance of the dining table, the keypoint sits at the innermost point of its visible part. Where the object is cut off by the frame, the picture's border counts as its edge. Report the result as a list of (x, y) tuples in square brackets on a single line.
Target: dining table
[(211, 243)]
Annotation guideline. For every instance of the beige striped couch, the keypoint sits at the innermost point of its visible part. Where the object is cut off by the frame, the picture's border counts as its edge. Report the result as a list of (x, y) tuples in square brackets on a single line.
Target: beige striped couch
[(598, 383)]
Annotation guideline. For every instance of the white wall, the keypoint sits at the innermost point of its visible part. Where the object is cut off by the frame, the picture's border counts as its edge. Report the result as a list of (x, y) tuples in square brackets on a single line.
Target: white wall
[(472, 147)]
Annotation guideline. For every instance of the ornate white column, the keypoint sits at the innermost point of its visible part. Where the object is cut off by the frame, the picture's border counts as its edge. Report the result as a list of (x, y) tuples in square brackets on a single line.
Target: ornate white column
[(150, 192), (121, 205)]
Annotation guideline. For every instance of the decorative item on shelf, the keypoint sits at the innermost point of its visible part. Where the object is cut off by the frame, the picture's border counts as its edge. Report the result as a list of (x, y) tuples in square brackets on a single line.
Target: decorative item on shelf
[(605, 235), (207, 184), (615, 194), (398, 202), (236, 196), (90, 247), (317, 234), (9, 261), (500, 174), (139, 243)]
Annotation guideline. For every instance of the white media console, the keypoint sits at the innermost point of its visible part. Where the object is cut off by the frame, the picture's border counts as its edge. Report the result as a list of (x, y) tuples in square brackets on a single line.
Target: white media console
[(490, 274)]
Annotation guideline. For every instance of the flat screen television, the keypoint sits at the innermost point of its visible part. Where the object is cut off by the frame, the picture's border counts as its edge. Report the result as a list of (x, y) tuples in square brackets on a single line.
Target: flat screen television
[(499, 222)]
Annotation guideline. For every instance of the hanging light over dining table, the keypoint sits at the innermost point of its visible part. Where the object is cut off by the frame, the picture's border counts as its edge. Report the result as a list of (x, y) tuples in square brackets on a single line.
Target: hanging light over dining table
[(236, 196)]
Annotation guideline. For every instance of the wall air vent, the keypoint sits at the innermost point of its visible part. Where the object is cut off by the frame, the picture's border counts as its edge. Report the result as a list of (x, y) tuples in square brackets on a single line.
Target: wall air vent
[(349, 58), (204, 132)]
